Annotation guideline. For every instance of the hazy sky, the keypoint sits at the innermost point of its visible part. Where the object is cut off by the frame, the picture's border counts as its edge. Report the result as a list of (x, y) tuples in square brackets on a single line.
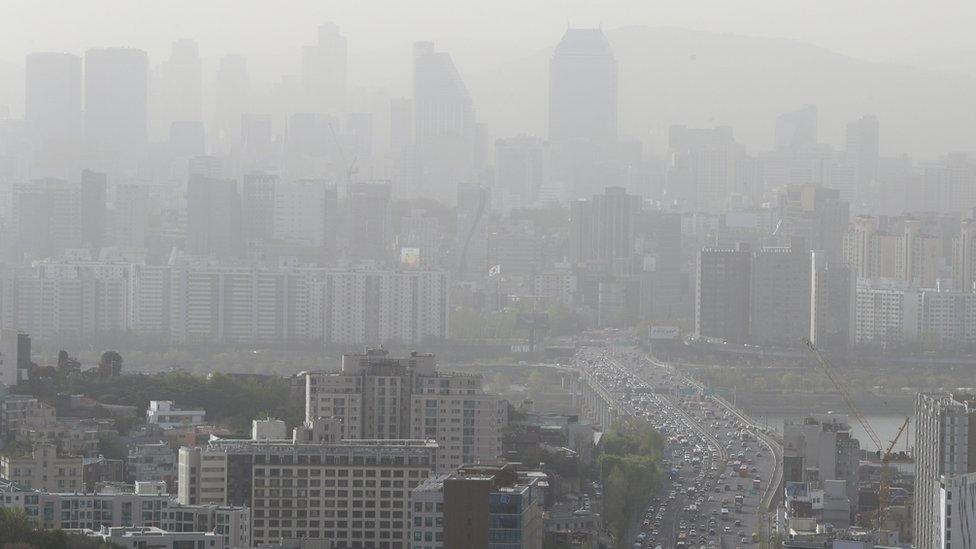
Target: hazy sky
[(271, 32)]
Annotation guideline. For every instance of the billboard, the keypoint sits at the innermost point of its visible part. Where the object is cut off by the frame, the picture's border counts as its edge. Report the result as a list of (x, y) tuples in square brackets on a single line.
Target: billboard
[(664, 332), (525, 321), (410, 257)]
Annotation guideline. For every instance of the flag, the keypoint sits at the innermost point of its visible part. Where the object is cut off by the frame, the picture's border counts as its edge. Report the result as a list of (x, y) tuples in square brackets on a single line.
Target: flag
[(494, 270)]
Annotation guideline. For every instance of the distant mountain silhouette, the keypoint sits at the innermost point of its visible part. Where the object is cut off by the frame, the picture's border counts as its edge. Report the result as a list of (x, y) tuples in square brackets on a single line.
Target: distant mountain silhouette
[(678, 76)]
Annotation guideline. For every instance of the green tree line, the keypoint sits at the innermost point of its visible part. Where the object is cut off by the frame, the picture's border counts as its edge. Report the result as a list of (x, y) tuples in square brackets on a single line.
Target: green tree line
[(629, 458)]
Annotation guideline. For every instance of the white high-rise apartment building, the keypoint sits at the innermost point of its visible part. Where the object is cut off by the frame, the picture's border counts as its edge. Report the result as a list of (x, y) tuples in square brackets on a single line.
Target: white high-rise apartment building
[(942, 454), (223, 302), (384, 306), (377, 396)]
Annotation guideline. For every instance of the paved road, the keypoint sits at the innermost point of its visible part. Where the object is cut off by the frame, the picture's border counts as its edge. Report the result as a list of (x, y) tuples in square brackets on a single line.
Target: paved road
[(705, 438)]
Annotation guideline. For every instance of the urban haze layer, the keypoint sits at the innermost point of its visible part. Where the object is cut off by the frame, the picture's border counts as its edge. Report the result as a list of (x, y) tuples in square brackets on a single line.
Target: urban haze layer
[(576, 287)]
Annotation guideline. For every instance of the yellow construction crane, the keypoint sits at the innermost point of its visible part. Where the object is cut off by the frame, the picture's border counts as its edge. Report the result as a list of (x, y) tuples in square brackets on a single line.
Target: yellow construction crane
[(884, 452), (884, 482)]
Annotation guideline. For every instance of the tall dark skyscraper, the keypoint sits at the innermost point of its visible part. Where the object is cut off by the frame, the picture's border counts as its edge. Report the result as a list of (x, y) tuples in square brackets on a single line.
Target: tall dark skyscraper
[(53, 96), (444, 122), (116, 95), (583, 88), (324, 71)]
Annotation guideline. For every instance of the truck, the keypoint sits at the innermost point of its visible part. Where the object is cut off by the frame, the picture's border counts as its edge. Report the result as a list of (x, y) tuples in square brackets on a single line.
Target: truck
[(738, 502)]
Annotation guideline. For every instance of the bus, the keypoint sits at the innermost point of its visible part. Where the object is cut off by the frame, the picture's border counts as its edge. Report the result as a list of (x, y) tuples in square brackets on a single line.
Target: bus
[(725, 514), (738, 502), (756, 484)]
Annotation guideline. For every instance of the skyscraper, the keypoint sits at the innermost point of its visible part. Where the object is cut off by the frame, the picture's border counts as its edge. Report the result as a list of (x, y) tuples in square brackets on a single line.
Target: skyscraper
[(53, 113), (232, 91), (722, 308), (444, 122), (378, 396), (324, 71), (519, 170), (796, 130), (943, 431), (705, 164), (53, 96), (369, 226), (862, 147), (964, 257), (603, 228), (93, 207), (213, 217), (258, 207), (583, 88), (178, 87), (116, 95)]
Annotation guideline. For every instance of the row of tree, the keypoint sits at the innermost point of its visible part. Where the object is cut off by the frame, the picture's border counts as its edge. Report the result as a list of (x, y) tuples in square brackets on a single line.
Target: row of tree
[(228, 399), (629, 458), (17, 532)]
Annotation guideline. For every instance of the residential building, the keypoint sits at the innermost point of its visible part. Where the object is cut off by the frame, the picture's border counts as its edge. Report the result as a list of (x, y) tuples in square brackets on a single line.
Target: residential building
[(305, 213), (166, 415), (479, 507), (139, 508), (890, 312), (258, 207), (22, 413), (381, 397), (150, 536), (957, 494), (820, 448), (964, 257), (369, 221), (15, 361), (152, 462), (362, 306), (213, 217), (355, 493), (943, 453), (44, 469)]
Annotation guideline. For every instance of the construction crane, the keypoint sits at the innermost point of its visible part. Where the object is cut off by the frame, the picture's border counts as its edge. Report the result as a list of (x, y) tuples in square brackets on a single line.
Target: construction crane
[(884, 452), (884, 482)]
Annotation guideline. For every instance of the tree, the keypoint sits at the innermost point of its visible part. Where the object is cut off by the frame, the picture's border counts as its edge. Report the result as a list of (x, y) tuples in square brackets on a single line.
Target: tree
[(110, 364)]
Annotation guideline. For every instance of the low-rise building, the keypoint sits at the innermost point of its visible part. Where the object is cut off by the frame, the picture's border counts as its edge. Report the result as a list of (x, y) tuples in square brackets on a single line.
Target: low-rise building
[(479, 507), (154, 461), (21, 413), (44, 469), (147, 506), (166, 415), (157, 538)]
